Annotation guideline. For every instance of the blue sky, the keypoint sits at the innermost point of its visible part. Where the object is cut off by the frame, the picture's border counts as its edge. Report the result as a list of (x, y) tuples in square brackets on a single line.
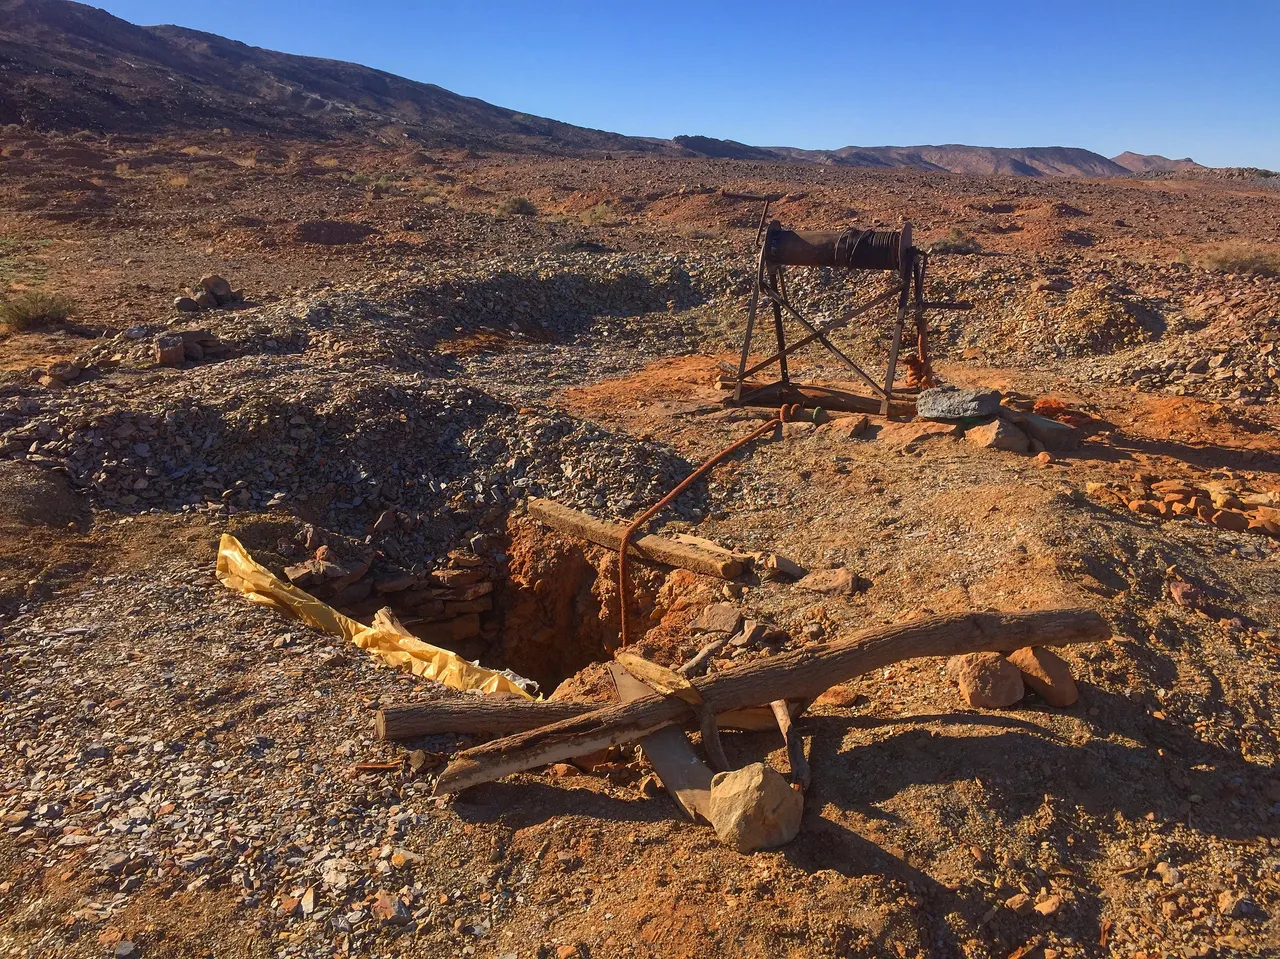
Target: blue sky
[(1177, 78)]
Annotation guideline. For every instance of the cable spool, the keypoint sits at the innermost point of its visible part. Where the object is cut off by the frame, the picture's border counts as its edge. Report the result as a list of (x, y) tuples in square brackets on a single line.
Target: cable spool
[(849, 249)]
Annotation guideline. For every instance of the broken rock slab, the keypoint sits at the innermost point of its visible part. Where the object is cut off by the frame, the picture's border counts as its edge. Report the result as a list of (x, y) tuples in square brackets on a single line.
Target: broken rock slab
[(754, 808), (833, 582), (909, 436), (953, 403), (998, 434), (718, 618), (986, 680), (1047, 674)]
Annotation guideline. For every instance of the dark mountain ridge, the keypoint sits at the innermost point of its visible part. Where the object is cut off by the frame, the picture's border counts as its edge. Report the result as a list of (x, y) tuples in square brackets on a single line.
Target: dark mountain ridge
[(66, 67)]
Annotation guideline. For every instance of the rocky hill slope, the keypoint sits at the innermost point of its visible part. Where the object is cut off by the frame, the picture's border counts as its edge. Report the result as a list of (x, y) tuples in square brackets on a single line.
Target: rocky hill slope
[(67, 66), (1154, 163)]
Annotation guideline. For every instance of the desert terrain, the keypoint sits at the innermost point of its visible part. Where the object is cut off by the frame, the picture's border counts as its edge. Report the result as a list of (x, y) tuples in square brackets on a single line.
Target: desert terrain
[(422, 335)]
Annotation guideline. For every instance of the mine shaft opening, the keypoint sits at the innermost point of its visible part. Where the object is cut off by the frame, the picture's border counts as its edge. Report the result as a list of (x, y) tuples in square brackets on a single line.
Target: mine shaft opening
[(526, 598)]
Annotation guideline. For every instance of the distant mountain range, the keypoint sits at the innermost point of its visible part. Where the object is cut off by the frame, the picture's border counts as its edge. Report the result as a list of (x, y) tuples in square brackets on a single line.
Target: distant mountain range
[(950, 157), (67, 66)]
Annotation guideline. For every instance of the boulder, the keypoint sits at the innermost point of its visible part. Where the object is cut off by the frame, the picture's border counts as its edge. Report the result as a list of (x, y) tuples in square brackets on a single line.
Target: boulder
[(953, 403), (217, 287), (998, 434), (1056, 437), (986, 680), (206, 300), (186, 304), (754, 808), (1047, 674), (1230, 519)]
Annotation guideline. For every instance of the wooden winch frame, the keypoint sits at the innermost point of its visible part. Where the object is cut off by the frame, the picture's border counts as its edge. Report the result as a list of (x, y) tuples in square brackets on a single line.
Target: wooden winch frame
[(852, 250)]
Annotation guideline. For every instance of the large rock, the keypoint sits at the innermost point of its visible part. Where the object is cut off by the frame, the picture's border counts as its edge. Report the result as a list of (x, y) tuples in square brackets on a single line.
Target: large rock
[(1055, 436), (953, 403), (1047, 674), (754, 808), (998, 434), (217, 287), (986, 680)]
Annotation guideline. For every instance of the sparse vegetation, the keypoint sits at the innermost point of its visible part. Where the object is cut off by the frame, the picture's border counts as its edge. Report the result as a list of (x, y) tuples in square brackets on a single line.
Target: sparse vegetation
[(599, 215), (1245, 259), (957, 241), (31, 309), (517, 206)]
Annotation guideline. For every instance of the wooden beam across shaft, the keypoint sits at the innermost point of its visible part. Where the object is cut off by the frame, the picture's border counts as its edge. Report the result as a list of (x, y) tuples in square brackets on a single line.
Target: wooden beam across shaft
[(708, 560)]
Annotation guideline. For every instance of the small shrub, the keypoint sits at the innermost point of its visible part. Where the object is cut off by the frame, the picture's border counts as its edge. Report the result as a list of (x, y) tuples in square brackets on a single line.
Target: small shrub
[(1242, 258), (28, 310), (957, 241), (517, 206), (599, 215)]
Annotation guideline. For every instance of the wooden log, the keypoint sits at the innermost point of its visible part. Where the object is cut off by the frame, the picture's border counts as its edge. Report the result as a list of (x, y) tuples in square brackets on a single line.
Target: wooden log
[(490, 715), (472, 714), (800, 674), (705, 559)]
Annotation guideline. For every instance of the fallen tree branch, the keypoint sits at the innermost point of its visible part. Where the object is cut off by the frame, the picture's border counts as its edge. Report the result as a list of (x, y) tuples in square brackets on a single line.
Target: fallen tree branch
[(800, 674), (707, 559)]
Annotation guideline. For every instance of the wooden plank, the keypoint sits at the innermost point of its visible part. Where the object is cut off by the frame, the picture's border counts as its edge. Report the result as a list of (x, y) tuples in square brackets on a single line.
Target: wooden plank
[(682, 773), (799, 674), (795, 743), (655, 549)]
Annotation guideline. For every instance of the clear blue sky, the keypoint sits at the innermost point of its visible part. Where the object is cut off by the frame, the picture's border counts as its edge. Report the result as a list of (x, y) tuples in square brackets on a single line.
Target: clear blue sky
[(1199, 79)]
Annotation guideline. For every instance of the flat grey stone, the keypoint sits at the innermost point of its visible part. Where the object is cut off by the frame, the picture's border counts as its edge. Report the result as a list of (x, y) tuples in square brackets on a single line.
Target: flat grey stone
[(952, 403)]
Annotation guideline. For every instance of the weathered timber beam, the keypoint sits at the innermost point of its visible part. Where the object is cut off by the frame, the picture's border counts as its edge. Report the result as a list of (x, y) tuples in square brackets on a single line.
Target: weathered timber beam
[(494, 715), (800, 674), (655, 549)]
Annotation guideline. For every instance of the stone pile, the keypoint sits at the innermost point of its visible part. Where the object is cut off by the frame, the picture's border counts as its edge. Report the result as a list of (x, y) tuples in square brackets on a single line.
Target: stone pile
[(997, 681), (447, 605), (211, 292), (1227, 504), (987, 422)]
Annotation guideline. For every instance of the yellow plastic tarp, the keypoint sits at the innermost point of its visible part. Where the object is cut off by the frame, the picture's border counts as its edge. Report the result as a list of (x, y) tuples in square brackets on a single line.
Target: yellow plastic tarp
[(238, 571)]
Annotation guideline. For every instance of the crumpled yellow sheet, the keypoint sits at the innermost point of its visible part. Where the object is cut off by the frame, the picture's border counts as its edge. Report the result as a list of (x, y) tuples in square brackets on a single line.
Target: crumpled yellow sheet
[(238, 571)]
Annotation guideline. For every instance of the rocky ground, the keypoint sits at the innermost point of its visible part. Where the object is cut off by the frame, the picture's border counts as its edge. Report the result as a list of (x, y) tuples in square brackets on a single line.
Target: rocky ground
[(187, 774)]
